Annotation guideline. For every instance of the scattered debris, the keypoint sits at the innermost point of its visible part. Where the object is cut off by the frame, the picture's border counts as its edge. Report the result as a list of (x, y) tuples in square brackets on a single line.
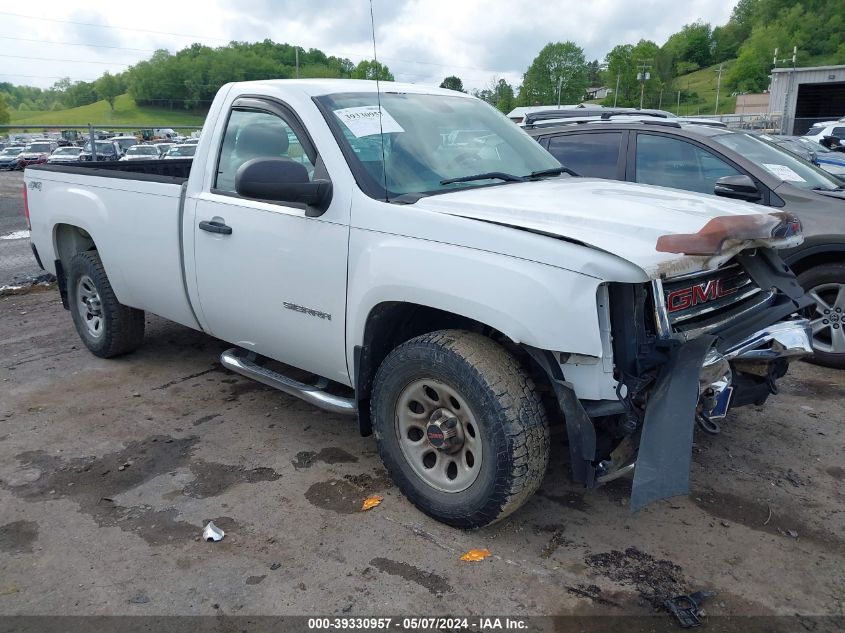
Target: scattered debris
[(275, 566), (768, 518), (792, 533), (139, 599), (212, 533), (475, 555), (371, 502), (685, 608)]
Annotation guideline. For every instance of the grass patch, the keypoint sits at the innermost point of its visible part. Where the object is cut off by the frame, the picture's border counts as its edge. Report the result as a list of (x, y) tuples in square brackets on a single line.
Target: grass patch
[(126, 112)]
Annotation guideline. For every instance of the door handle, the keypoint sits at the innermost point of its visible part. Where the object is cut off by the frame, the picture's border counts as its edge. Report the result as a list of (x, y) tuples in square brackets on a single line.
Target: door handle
[(212, 226)]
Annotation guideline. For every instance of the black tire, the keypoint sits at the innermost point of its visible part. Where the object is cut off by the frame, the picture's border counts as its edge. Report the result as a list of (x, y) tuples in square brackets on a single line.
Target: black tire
[(514, 431), (121, 328), (812, 280)]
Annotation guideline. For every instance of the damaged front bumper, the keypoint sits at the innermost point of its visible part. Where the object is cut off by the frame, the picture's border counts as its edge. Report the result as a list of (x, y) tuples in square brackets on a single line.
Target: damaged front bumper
[(693, 379), (677, 362)]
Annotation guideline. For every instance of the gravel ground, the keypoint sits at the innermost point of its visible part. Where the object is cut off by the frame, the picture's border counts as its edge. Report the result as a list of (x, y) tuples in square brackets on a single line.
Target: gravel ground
[(110, 468), (17, 264)]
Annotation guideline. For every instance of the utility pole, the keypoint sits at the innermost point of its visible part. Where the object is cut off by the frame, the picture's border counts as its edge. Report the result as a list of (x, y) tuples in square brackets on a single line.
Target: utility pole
[(789, 80), (616, 92), (93, 143), (660, 101), (296, 49), (559, 86), (642, 76), (718, 86), (678, 111)]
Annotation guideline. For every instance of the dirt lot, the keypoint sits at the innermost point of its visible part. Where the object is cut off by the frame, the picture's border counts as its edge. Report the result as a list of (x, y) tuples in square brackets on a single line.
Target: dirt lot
[(17, 264), (109, 470)]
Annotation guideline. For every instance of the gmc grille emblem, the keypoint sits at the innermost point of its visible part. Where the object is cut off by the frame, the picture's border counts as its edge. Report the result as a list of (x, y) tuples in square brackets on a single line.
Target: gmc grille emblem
[(685, 298)]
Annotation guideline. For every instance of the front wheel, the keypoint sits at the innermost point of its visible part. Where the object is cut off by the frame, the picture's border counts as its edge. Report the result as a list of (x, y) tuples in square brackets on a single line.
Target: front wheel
[(106, 326), (460, 427), (826, 286)]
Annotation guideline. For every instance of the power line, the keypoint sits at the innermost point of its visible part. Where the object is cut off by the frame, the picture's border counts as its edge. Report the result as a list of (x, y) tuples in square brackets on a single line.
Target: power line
[(42, 42), (72, 61), (227, 40)]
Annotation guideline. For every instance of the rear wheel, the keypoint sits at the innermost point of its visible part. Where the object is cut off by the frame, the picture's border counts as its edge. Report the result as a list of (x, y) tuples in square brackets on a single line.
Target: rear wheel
[(826, 286), (460, 427), (106, 326)]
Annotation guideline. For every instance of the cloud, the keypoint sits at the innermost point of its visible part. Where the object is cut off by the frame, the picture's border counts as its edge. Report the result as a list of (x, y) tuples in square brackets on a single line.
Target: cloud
[(420, 40)]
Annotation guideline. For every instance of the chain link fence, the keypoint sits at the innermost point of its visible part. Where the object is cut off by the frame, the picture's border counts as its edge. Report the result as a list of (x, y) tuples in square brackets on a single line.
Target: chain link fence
[(17, 263)]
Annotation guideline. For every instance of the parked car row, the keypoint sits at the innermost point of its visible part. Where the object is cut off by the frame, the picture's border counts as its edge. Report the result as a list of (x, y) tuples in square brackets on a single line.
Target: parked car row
[(118, 148)]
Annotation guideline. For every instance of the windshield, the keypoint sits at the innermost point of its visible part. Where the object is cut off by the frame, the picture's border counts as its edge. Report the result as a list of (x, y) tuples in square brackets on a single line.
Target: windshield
[(125, 143), (818, 148), (38, 147), (12, 151), (102, 147), (778, 161), (67, 150), (429, 139), (182, 150), (142, 150)]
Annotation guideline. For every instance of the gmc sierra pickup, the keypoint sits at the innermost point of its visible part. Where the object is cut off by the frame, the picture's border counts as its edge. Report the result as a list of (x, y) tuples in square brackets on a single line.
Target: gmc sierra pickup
[(409, 256)]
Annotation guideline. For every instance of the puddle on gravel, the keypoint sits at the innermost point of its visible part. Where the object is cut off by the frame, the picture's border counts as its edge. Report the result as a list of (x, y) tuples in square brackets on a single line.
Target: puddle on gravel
[(212, 479), (655, 580), (345, 496), (329, 455), (570, 499), (94, 483), (17, 537), (754, 515), (808, 387), (431, 581)]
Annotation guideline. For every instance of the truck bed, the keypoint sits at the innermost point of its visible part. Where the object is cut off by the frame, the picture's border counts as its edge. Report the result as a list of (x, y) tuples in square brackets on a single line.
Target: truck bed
[(131, 212), (174, 171)]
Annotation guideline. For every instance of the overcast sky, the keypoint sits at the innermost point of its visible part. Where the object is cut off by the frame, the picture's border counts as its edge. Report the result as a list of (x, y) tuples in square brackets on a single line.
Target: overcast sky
[(420, 40)]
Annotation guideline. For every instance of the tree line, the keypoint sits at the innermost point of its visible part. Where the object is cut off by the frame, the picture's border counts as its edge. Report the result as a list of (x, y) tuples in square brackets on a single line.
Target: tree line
[(560, 73)]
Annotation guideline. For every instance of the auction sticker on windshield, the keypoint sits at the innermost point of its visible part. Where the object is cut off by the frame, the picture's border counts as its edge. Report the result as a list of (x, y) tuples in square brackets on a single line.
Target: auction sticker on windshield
[(364, 121), (783, 172)]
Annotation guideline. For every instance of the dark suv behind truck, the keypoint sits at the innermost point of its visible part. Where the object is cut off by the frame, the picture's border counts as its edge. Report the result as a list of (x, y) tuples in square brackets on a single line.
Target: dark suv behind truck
[(714, 160)]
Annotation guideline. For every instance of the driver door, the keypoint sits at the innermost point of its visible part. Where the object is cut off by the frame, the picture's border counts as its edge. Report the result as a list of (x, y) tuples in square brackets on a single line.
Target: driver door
[(269, 278)]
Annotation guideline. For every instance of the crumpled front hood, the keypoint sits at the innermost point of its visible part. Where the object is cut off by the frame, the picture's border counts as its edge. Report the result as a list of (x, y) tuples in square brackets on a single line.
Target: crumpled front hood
[(624, 219)]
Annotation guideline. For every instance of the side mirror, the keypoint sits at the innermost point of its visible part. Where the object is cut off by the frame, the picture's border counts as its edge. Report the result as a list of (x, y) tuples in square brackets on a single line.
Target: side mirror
[(738, 188), (281, 180)]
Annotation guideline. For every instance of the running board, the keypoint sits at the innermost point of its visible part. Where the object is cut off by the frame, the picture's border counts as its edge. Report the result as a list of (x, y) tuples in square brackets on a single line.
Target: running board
[(233, 361)]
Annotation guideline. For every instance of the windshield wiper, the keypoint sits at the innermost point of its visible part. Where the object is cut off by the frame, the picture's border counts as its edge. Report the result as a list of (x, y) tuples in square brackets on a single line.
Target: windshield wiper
[(490, 175), (554, 171)]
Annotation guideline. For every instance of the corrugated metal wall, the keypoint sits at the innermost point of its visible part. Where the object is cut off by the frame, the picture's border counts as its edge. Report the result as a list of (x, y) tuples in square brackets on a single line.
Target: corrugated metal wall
[(785, 91)]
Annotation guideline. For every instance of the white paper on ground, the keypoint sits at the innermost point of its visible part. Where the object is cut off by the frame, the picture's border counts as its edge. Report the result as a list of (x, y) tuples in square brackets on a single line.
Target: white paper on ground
[(783, 172), (364, 121)]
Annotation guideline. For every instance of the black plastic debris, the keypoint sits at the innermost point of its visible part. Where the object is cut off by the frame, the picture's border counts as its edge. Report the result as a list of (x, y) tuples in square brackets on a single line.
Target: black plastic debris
[(686, 608)]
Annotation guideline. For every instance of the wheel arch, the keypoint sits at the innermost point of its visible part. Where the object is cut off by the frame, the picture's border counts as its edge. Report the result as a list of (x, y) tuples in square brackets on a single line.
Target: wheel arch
[(816, 254), (391, 323), (68, 240)]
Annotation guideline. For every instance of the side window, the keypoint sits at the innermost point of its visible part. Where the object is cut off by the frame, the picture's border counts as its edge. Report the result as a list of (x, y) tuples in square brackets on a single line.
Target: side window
[(595, 154), (672, 162), (839, 132), (255, 134)]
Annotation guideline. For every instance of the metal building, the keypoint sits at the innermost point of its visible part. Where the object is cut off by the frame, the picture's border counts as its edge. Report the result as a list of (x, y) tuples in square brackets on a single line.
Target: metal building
[(803, 96)]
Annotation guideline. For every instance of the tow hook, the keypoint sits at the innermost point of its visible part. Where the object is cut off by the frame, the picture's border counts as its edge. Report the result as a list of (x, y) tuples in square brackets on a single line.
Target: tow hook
[(706, 424)]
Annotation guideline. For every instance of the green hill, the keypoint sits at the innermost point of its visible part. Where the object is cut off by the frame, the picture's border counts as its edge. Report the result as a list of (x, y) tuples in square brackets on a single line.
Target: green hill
[(126, 112), (703, 84)]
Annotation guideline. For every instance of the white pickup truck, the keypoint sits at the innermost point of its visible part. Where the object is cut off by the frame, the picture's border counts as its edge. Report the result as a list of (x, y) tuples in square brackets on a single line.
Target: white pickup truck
[(411, 257)]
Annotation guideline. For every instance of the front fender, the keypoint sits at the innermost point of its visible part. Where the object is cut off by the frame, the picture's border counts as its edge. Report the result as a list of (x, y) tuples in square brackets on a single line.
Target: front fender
[(531, 303)]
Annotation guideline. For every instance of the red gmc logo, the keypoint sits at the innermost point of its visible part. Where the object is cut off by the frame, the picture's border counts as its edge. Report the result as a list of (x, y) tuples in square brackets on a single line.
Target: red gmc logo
[(684, 298)]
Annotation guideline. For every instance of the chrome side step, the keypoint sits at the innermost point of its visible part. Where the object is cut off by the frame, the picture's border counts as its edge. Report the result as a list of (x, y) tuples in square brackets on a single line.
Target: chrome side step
[(239, 363)]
